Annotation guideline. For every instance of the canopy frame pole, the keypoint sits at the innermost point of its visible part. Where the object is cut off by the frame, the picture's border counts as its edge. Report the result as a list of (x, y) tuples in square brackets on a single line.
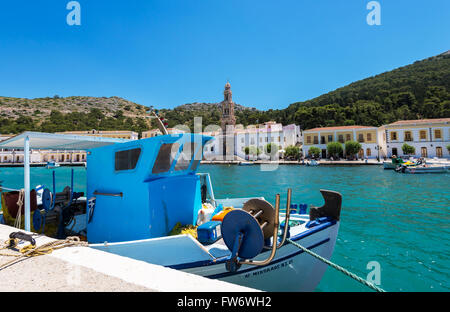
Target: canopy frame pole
[(26, 182)]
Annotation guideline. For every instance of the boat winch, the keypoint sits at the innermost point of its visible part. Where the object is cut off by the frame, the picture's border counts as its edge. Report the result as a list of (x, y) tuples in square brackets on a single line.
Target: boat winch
[(245, 231)]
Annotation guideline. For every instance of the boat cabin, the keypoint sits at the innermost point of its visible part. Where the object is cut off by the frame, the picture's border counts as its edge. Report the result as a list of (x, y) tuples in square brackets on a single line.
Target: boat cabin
[(141, 189)]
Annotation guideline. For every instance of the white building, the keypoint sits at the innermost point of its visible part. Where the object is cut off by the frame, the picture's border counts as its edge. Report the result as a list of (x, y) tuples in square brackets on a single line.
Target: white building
[(429, 137)]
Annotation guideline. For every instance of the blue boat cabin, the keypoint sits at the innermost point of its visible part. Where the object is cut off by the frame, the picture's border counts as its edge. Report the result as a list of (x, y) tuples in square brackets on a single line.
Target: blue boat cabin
[(143, 188)]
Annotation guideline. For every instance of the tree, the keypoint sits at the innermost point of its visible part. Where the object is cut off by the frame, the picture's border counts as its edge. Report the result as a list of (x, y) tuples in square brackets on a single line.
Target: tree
[(271, 148), (334, 149), (408, 149), (448, 148), (352, 148), (314, 151), (293, 151)]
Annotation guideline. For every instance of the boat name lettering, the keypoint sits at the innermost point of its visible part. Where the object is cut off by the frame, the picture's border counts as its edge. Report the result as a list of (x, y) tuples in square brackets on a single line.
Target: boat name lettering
[(269, 269)]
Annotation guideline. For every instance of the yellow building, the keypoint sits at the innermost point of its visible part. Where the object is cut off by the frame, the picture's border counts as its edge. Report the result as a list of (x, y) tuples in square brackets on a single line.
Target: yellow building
[(369, 138), (118, 134), (155, 132)]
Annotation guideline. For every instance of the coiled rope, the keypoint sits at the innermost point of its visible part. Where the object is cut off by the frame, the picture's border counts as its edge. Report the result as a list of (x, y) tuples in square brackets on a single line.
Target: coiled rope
[(337, 267), (31, 250)]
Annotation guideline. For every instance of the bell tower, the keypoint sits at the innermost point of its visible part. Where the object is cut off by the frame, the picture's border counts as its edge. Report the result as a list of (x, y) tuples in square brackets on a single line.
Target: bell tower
[(228, 122), (228, 118)]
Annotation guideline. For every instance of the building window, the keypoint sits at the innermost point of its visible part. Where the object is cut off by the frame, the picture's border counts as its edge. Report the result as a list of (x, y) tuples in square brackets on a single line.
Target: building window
[(369, 137), (322, 141), (394, 136), (308, 139), (341, 138), (437, 134), (360, 137), (423, 134), (252, 141), (279, 139), (330, 138), (348, 137), (242, 140), (368, 152), (126, 160), (439, 152), (316, 139), (408, 136)]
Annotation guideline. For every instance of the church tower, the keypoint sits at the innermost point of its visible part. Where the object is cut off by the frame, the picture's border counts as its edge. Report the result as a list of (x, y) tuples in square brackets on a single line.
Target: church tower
[(228, 118), (228, 122)]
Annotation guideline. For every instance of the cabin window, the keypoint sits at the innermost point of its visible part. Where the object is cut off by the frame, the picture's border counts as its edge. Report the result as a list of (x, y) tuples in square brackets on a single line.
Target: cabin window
[(165, 157), (195, 164), (186, 155), (126, 160)]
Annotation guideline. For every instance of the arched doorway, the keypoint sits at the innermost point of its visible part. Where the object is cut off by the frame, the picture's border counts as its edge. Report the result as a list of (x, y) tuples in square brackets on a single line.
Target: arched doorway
[(361, 154)]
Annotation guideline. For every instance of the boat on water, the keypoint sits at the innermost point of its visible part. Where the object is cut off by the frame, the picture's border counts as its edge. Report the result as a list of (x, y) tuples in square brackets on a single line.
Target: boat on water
[(145, 200), (423, 168), (312, 162), (397, 162), (52, 165), (245, 163)]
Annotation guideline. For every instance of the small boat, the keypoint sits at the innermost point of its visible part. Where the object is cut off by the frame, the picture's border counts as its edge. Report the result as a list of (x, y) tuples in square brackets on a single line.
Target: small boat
[(51, 165), (423, 168), (246, 163), (396, 162), (145, 200), (312, 162)]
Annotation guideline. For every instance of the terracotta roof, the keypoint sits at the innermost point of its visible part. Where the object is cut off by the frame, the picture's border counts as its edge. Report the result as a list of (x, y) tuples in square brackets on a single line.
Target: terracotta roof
[(339, 128), (420, 121)]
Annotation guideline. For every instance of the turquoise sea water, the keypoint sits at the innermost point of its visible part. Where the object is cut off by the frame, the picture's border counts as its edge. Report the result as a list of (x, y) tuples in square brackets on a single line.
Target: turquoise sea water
[(401, 221)]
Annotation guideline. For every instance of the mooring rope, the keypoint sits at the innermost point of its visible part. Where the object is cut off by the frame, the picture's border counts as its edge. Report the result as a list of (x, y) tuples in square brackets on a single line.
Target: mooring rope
[(32, 251), (337, 267)]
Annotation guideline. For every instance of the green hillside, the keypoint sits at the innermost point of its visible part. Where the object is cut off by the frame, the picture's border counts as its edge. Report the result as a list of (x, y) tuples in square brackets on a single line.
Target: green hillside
[(419, 90)]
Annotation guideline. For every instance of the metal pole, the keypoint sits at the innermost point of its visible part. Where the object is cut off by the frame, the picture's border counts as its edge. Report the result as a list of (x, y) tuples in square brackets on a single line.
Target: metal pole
[(26, 166)]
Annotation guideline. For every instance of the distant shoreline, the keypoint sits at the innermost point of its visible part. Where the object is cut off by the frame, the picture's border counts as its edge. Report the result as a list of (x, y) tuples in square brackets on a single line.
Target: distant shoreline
[(370, 162)]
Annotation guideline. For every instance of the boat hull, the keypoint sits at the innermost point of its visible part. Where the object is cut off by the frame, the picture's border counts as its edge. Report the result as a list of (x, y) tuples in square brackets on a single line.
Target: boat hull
[(412, 170), (291, 270)]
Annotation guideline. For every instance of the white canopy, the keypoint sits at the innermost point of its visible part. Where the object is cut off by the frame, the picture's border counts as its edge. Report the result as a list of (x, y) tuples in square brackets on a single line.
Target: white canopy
[(53, 141)]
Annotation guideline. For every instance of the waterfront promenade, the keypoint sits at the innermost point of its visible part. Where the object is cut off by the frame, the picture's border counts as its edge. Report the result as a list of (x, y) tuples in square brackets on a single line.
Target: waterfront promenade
[(324, 162)]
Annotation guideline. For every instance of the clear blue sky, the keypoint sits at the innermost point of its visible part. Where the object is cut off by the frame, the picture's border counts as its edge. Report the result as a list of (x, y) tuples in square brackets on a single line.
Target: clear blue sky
[(171, 52)]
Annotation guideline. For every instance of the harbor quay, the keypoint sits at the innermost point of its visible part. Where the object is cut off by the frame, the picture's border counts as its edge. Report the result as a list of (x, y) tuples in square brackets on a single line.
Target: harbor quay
[(85, 269)]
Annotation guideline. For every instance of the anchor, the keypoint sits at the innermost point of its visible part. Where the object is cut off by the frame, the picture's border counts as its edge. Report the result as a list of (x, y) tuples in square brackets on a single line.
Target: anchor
[(246, 230)]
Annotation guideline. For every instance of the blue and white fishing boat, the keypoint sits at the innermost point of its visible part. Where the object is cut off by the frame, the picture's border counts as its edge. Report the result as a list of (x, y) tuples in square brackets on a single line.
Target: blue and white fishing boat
[(139, 191)]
